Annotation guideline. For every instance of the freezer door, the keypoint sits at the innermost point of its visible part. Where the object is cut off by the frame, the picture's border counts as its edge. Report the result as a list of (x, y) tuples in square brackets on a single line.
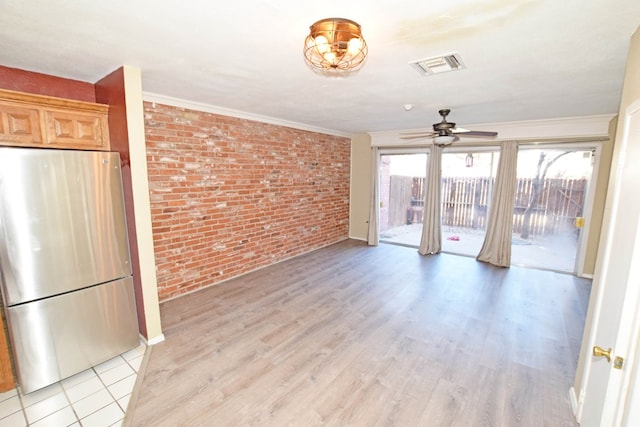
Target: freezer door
[(62, 223), (57, 337)]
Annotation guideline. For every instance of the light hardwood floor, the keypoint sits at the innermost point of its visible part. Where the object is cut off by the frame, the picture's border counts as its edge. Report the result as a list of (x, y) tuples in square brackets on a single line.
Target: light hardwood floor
[(352, 335)]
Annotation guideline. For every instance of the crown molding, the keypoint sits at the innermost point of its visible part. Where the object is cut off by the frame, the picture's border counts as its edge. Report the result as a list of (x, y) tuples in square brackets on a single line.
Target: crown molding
[(208, 108)]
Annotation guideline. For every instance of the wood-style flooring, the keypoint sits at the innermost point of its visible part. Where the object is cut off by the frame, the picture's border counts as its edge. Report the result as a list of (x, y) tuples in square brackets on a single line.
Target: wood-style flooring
[(352, 335)]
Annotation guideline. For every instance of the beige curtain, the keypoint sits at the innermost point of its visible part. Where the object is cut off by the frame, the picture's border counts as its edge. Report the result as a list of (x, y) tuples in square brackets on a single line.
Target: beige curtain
[(431, 241), (496, 248), (373, 237)]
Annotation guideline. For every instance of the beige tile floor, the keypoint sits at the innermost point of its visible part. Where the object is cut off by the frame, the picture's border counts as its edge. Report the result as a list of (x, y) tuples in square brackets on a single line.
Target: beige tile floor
[(97, 397)]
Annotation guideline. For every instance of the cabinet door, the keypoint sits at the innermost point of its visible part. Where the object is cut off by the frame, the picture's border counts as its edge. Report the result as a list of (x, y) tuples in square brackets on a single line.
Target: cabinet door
[(19, 125), (76, 129), (7, 381)]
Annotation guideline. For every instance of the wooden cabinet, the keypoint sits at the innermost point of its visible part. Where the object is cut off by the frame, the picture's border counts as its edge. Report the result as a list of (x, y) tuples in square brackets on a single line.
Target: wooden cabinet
[(41, 121), (7, 381)]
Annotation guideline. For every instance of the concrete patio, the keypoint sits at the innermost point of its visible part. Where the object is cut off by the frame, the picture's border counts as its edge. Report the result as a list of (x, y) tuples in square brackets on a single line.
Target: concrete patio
[(557, 254)]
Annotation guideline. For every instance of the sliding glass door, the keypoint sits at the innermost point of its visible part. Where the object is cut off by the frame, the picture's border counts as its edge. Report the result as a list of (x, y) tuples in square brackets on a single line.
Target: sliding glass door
[(550, 199)]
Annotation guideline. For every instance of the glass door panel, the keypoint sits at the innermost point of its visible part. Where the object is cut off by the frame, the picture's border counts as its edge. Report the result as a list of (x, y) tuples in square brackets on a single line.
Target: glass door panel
[(467, 182), (402, 180), (549, 207)]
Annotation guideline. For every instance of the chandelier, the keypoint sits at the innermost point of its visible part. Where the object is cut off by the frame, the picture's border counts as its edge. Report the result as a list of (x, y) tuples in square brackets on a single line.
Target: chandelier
[(334, 45)]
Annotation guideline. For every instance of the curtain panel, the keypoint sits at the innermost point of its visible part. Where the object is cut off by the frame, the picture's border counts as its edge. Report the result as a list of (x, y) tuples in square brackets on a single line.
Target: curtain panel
[(431, 240), (373, 235), (496, 248)]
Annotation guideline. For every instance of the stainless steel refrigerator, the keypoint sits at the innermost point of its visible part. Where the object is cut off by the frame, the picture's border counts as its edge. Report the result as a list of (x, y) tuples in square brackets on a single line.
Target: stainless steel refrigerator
[(65, 268)]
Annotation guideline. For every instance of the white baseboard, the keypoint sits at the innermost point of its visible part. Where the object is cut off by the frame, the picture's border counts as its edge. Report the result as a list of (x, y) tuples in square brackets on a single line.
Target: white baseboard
[(574, 403), (153, 341)]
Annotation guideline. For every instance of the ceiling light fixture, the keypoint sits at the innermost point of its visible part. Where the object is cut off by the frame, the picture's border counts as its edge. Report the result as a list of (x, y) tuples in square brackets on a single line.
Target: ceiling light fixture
[(335, 45), (443, 139)]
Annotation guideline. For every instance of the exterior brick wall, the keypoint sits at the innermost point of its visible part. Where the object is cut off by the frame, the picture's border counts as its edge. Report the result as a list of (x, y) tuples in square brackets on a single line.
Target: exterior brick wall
[(230, 195)]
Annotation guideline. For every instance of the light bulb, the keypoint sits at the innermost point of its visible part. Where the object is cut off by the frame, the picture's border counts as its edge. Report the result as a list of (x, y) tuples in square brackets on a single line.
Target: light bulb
[(322, 44), (355, 45), (330, 57)]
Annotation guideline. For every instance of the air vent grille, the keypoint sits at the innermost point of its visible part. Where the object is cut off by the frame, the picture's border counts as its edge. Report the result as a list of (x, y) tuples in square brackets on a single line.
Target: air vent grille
[(438, 64)]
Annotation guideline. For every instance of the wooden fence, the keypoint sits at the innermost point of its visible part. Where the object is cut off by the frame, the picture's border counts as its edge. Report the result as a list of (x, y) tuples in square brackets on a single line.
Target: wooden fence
[(465, 203)]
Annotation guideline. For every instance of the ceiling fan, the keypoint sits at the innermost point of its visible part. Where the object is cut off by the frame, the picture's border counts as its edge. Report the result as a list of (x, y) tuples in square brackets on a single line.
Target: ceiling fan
[(445, 133)]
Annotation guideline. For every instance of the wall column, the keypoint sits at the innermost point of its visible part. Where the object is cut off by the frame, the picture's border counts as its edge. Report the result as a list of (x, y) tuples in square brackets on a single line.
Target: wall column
[(122, 90)]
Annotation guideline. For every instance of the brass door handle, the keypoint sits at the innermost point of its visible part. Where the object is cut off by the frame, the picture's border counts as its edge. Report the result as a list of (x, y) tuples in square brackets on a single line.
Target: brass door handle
[(601, 352)]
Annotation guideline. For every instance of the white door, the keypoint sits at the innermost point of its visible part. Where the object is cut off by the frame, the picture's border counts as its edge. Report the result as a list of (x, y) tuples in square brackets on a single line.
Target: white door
[(617, 282)]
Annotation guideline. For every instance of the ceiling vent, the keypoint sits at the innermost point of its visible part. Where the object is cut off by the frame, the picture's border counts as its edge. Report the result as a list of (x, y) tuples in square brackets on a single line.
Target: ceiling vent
[(439, 64)]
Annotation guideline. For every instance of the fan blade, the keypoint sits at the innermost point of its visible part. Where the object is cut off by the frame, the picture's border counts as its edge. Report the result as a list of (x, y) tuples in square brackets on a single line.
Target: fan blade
[(417, 136), (473, 133)]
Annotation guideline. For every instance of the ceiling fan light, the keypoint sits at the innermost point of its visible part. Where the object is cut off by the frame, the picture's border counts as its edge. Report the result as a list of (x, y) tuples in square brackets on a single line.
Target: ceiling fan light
[(443, 139), (445, 132)]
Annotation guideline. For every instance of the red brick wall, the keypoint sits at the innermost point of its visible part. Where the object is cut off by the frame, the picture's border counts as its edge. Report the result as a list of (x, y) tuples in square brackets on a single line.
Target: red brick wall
[(230, 195)]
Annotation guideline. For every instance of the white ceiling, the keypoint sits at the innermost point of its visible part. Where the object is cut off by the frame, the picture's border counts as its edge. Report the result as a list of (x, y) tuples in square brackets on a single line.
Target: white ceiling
[(525, 59)]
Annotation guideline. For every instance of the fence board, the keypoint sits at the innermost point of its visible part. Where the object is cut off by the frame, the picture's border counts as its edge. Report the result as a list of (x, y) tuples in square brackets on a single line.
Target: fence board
[(400, 193)]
